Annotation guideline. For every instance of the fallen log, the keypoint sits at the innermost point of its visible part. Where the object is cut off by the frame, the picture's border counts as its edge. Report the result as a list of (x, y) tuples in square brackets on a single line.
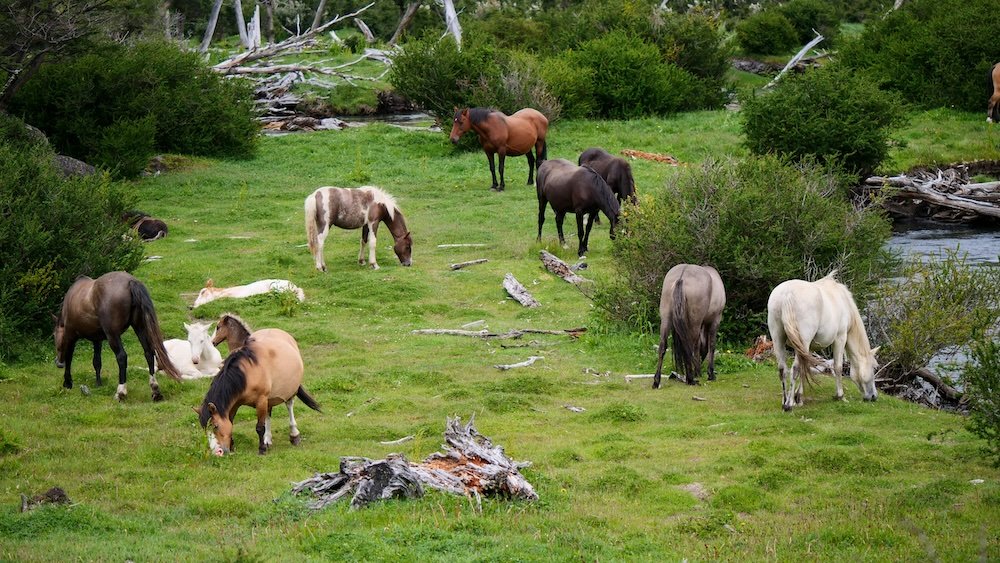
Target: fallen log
[(518, 291), (470, 465), (553, 264), (945, 188), (460, 265), (791, 63), (513, 333), (524, 364)]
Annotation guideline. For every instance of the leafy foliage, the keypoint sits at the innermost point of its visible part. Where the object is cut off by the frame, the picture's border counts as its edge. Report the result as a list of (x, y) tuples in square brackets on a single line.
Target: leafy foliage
[(766, 33), (759, 222), (982, 386), (830, 113), (808, 15)]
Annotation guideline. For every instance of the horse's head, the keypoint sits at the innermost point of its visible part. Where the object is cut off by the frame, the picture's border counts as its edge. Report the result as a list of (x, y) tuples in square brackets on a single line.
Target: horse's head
[(403, 248), (197, 336), (221, 332), (58, 334), (218, 428), (461, 124), (864, 375)]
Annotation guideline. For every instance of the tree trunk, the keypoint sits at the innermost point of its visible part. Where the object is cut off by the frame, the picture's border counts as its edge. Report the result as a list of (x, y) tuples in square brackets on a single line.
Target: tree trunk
[(318, 18), (451, 20), (241, 23), (269, 23), (18, 79), (404, 22), (369, 36), (210, 30)]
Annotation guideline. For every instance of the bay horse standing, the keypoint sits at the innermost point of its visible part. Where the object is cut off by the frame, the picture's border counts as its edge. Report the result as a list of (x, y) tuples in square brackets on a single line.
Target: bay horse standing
[(356, 208), (264, 373), (811, 316), (577, 189), (505, 135), (691, 304), (993, 108), (102, 309), (617, 172)]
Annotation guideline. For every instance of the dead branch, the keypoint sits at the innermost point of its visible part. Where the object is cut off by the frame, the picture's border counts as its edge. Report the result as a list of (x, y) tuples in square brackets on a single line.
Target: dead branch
[(524, 364), (942, 387), (369, 36), (513, 333), (402, 440), (460, 265), (945, 189), (629, 378), (465, 245), (404, 22), (655, 157), (553, 264), (518, 291), (802, 52)]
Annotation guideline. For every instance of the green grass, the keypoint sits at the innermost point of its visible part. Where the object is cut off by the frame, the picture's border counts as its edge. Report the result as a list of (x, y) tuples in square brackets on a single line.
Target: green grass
[(831, 481)]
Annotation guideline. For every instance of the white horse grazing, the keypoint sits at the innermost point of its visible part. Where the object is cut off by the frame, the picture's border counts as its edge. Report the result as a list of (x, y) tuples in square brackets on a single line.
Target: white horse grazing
[(194, 357), (211, 293), (811, 316)]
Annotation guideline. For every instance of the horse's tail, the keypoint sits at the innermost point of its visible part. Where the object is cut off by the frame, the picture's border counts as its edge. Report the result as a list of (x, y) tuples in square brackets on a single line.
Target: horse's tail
[(545, 151), (307, 399), (683, 349), (791, 326), (312, 233), (145, 321)]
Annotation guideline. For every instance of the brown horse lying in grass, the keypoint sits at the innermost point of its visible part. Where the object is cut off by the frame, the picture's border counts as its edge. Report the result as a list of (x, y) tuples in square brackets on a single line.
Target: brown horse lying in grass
[(504, 135)]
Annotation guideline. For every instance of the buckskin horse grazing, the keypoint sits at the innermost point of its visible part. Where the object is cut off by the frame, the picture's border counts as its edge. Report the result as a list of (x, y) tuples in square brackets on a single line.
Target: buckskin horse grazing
[(811, 316), (264, 373), (103, 309), (617, 172), (356, 208), (993, 108), (505, 135), (691, 304), (577, 189)]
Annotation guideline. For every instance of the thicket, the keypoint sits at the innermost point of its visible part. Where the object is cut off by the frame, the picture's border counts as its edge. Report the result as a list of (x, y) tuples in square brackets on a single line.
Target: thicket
[(53, 230), (936, 53), (832, 114), (117, 105), (982, 387), (766, 33), (759, 221), (808, 15)]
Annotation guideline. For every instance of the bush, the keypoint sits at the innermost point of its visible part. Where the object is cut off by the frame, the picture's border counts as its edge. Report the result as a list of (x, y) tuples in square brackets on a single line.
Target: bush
[(934, 305), (982, 387), (146, 97), (937, 53), (766, 33), (571, 85), (807, 15), (830, 113), (54, 229), (759, 222)]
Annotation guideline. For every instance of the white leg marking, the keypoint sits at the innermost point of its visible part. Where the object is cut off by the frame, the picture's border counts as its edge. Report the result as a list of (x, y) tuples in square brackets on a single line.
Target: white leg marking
[(371, 249), (121, 392), (293, 428), (267, 432)]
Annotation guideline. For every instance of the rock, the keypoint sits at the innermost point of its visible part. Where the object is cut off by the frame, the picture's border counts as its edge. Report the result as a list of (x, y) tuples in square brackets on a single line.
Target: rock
[(69, 166)]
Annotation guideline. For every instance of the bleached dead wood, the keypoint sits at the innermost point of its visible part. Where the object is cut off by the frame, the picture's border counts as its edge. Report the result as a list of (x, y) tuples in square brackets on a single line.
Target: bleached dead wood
[(629, 378), (451, 22), (213, 19), (460, 265), (553, 264), (945, 190), (524, 364), (404, 22), (518, 291), (463, 245), (369, 36), (513, 333), (791, 63), (241, 24), (318, 17), (402, 440)]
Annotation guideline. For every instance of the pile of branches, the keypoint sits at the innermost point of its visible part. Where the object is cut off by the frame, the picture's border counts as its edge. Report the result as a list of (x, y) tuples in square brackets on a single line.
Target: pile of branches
[(946, 195)]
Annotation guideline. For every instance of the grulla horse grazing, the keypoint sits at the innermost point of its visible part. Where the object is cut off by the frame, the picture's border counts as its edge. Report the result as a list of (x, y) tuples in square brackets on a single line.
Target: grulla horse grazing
[(356, 208), (264, 373), (691, 304), (813, 315)]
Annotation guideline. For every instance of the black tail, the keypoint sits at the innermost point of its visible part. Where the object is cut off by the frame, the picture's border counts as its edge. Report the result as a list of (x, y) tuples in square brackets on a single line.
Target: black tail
[(684, 348), (146, 322), (307, 399), (544, 154)]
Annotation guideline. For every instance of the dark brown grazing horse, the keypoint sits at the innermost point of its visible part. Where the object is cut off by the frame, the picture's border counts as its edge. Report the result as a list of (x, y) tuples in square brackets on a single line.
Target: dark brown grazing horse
[(691, 304), (574, 189), (233, 330), (356, 208), (505, 135), (103, 309), (617, 172), (147, 227), (993, 109)]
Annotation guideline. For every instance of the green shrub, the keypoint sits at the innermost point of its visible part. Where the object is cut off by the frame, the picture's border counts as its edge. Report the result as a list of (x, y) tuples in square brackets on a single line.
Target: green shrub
[(54, 229), (982, 387), (114, 96), (759, 221), (807, 15), (571, 85), (830, 113), (696, 43), (125, 146), (766, 33), (935, 52)]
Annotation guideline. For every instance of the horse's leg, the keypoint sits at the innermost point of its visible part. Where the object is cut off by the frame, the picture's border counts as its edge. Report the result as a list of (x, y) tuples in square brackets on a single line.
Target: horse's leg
[(115, 343), (800, 378), (838, 365), (293, 429), (713, 333), (68, 357), (503, 155), (560, 215), (262, 414), (364, 241), (147, 349), (664, 328), (541, 216), (778, 346), (586, 235), (371, 245), (318, 257), (267, 430), (531, 167), (97, 363), (493, 172)]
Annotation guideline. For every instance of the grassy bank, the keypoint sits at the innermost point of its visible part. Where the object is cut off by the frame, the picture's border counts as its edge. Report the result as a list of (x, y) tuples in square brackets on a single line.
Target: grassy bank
[(638, 475)]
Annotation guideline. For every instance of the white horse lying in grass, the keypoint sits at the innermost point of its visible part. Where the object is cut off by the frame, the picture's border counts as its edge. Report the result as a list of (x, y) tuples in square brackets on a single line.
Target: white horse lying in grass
[(811, 316), (195, 357), (211, 293)]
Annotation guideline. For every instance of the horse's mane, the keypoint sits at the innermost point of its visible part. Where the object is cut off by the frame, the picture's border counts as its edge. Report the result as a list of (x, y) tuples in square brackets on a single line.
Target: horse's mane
[(478, 115), (380, 196), (230, 382), (608, 200), (236, 318)]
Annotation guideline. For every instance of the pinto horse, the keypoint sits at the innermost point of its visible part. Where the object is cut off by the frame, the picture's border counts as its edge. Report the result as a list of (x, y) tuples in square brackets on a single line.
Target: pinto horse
[(993, 108), (102, 309), (811, 316), (505, 135), (691, 304), (356, 208), (617, 172), (576, 189), (264, 373)]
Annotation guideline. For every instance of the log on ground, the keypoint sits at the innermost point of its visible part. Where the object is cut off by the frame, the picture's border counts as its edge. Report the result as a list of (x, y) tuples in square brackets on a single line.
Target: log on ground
[(518, 291)]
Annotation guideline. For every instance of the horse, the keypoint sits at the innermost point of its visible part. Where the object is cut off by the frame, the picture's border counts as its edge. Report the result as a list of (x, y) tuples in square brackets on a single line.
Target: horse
[(264, 373), (811, 316), (691, 304), (233, 330), (210, 293), (993, 108), (577, 189), (617, 172), (356, 208), (194, 357), (149, 228), (103, 309), (504, 135)]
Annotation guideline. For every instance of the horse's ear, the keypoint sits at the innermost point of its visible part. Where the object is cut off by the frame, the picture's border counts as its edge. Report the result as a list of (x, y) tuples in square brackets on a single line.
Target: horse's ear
[(211, 408), (197, 410), (209, 283), (875, 350)]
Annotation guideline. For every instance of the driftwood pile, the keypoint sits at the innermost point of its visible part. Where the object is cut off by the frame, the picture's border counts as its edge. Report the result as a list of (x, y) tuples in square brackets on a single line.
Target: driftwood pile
[(471, 465), (946, 195)]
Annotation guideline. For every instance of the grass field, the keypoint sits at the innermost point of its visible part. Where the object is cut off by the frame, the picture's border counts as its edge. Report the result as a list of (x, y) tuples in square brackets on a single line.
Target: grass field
[(639, 475)]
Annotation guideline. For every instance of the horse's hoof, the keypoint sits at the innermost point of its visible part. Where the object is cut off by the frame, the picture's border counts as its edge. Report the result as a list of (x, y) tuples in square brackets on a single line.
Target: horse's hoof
[(120, 397), (375, 266), (786, 408), (711, 377), (157, 396), (262, 451), (295, 440), (67, 385), (99, 383), (691, 381)]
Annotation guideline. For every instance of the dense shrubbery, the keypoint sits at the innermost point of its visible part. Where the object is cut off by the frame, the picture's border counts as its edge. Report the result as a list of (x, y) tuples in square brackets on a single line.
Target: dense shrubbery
[(759, 222), (808, 15), (766, 33), (830, 113), (935, 52), (138, 99), (982, 386), (53, 230)]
